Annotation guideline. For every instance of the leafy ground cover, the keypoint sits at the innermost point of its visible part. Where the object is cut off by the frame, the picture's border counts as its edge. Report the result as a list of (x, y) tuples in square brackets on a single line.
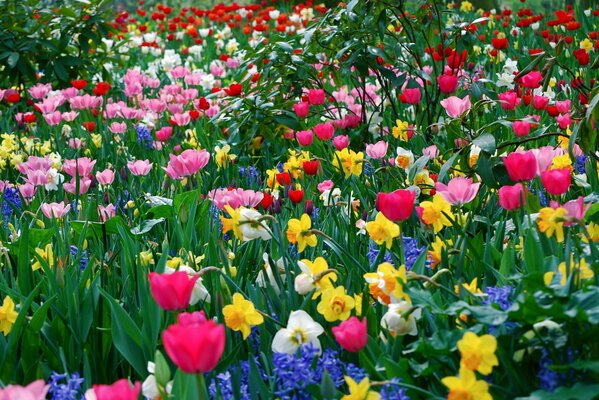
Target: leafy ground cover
[(369, 200)]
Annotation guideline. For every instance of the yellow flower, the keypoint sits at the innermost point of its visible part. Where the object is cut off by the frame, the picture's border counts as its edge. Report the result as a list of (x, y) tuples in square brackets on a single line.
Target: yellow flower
[(561, 162), (146, 258), (174, 262), (478, 352), (424, 181), (241, 315), (382, 230), (551, 220), (360, 391), (386, 283), (335, 304), (8, 316), (222, 155), (271, 179), (299, 231), (97, 140), (437, 212), (436, 251), (358, 303), (581, 270), (472, 287), (593, 230), (466, 387), (232, 224), (586, 44), (312, 270), (400, 130), (46, 254), (349, 162), (466, 6)]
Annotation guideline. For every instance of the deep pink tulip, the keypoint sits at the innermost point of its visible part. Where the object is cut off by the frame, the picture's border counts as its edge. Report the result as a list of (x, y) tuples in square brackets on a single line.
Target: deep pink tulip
[(521, 128), (563, 107), (316, 96), (458, 191), (194, 344), (512, 197), (411, 96), (532, 80), (304, 138), (324, 131), (447, 83), (165, 133), (121, 390), (341, 142), (455, 107), (397, 205), (508, 100), (556, 181), (521, 165), (172, 291), (540, 102), (301, 109), (352, 334)]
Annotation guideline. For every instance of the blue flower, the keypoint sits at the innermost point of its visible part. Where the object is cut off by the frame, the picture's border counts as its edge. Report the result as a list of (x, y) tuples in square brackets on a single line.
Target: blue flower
[(412, 251), (548, 379), (11, 200), (73, 250), (580, 165), (499, 295), (144, 136), (373, 253), (392, 391), (65, 387)]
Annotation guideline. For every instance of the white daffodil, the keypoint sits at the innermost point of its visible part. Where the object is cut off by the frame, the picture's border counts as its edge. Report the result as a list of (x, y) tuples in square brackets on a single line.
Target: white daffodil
[(149, 387), (251, 225), (301, 329), (396, 322), (267, 272), (199, 292)]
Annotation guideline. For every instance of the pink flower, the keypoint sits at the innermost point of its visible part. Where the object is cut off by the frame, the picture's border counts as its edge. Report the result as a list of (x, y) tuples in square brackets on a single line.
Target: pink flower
[(564, 121), (352, 334), (53, 119), (411, 96), (556, 181), (187, 163), (105, 177), (55, 210), (165, 133), (324, 131), (512, 197), (576, 209), (81, 166), (139, 167), (508, 100), (120, 390), (377, 150), (540, 102), (563, 107), (447, 83), (118, 127), (431, 151), (521, 128), (172, 291), (341, 142), (71, 187), (456, 107), (301, 109), (304, 138), (181, 119), (521, 165), (40, 90), (532, 80), (397, 205), (69, 116), (28, 191), (458, 191), (325, 185), (544, 156), (34, 163), (34, 391), (316, 96), (235, 198), (106, 212)]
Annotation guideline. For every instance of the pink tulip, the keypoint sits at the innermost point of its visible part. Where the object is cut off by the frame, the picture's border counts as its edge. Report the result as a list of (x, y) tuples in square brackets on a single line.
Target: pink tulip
[(172, 291), (458, 191), (521, 165), (324, 131), (325, 185), (194, 344), (69, 116), (576, 209), (118, 127), (187, 163), (556, 181), (235, 198), (181, 119), (81, 167), (55, 210), (71, 187), (120, 390), (105, 177), (139, 167), (34, 163), (447, 83), (521, 128), (165, 133), (540, 102), (28, 191), (431, 151), (397, 205), (544, 156), (106, 212), (563, 107), (34, 391), (456, 107), (301, 109), (304, 138), (53, 119), (411, 96), (40, 90), (341, 142), (316, 96), (352, 334), (532, 80), (512, 197), (508, 100), (377, 150), (564, 121)]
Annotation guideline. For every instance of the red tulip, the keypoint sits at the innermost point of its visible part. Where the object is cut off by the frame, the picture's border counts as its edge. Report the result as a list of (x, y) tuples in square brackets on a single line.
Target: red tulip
[(311, 167), (556, 181), (512, 197), (352, 334), (447, 83), (521, 165), (194, 344), (234, 89), (120, 390), (172, 291), (396, 206), (296, 196)]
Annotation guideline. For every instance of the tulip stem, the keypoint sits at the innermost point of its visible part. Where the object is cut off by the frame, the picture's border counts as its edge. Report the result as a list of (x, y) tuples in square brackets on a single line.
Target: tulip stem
[(201, 386)]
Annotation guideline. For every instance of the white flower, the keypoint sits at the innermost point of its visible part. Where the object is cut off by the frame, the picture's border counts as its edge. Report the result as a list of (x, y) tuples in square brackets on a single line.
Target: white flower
[(404, 159), (250, 225), (301, 329), (199, 292), (149, 388), (396, 323), (54, 178), (267, 270), (331, 198)]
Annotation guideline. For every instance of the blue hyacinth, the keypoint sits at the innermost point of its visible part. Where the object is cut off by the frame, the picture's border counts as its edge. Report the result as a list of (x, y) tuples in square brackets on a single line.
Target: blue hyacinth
[(392, 391), (373, 253), (65, 386), (11, 200), (412, 251), (580, 165), (499, 295), (144, 136), (73, 250)]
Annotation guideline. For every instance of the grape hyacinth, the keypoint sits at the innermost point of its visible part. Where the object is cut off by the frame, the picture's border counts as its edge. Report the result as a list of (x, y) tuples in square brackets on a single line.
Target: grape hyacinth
[(11, 200), (65, 386), (411, 251), (144, 136)]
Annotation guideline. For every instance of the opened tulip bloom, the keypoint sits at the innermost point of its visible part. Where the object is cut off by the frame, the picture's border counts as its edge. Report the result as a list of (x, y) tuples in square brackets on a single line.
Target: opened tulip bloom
[(172, 291), (55, 210), (121, 390), (34, 391), (139, 167), (458, 191), (194, 344), (187, 163), (456, 107)]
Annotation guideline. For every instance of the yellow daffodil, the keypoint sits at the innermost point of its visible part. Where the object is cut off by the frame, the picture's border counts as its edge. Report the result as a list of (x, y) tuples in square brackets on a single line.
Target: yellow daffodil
[(360, 391), (241, 315), (222, 156), (436, 251), (313, 277), (581, 270), (551, 220), (466, 6), (232, 223), (335, 304), (400, 130), (146, 258), (349, 162), (46, 254), (466, 387), (437, 212), (478, 352), (561, 162), (386, 284), (382, 230), (8, 315), (472, 287), (299, 231), (593, 230)]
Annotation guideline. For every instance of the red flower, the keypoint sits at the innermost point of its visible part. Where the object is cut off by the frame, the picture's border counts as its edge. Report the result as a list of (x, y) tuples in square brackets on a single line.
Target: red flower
[(89, 126), (79, 84), (12, 96), (283, 178), (296, 196), (194, 344), (311, 167), (101, 88), (582, 56), (397, 205), (447, 83), (266, 200), (499, 43), (234, 89), (172, 291)]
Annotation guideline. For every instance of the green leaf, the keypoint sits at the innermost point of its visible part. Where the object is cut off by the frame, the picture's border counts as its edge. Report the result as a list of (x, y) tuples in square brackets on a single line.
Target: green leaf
[(146, 225), (288, 119), (162, 370), (448, 164), (13, 58), (486, 142), (533, 255), (580, 391), (417, 167)]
